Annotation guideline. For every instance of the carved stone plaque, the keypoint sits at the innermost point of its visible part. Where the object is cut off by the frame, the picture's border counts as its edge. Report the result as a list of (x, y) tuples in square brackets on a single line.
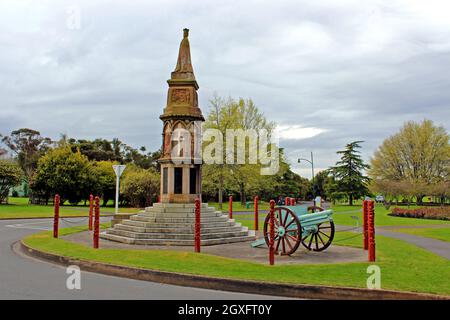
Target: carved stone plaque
[(180, 96)]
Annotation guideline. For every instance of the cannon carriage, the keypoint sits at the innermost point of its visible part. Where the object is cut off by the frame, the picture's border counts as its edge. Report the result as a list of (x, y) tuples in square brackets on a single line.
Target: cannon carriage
[(311, 226)]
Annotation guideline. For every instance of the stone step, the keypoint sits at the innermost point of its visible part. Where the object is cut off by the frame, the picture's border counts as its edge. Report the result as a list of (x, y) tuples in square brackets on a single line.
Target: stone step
[(177, 229), (177, 205), (144, 224), (174, 242), (210, 214), (178, 210), (176, 236), (206, 219)]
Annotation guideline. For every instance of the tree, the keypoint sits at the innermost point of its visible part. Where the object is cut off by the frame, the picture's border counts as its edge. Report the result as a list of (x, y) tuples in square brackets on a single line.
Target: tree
[(10, 176), (105, 180), (232, 114), (64, 172), (320, 180), (139, 186), (417, 155), (348, 172), (29, 146)]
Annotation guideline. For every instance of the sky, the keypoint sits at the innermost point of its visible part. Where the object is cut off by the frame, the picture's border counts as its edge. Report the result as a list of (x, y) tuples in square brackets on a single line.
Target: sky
[(327, 72)]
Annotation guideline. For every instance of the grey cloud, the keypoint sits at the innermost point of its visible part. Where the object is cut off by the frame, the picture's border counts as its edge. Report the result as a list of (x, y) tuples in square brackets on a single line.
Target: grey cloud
[(356, 69)]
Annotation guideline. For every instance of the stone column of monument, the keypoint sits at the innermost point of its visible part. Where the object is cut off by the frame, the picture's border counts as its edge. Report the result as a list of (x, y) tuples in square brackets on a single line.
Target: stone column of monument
[(180, 160)]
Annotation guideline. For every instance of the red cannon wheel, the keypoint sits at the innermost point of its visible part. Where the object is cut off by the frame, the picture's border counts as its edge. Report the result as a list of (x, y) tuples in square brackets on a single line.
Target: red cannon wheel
[(288, 231), (321, 239)]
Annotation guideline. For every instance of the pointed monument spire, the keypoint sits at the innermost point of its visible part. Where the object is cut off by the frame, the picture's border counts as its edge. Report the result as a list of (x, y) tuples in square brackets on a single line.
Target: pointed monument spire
[(184, 69), (182, 98)]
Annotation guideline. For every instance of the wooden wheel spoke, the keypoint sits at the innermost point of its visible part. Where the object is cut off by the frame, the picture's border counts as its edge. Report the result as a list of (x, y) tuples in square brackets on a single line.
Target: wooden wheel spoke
[(327, 227), (324, 234), (320, 238), (278, 244), (283, 244), (293, 220), (289, 243), (293, 238), (285, 218), (317, 242), (310, 242)]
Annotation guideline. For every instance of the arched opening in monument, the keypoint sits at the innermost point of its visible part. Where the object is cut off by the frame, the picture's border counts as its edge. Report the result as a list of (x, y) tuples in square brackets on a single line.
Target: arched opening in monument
[(193, 180), (178, 180)]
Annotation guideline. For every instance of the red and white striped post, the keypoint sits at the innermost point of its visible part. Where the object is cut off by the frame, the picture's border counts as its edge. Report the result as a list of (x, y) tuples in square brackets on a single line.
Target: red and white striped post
[(230, 207), (365, 224), (256, 213), (197, 234), (371, 230), (91, 211), (96, 222), (56, 217), (272, 233)]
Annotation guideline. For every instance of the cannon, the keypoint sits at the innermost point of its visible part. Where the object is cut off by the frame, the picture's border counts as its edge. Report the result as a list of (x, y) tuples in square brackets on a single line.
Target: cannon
[(310, 226)]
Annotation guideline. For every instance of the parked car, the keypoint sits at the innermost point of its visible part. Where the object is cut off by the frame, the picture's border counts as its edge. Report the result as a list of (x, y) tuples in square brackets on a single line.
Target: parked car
[(379, 198)]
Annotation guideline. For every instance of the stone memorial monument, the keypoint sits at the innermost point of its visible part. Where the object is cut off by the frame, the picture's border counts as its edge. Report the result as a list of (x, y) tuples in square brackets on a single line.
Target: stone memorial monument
[(171, 221)]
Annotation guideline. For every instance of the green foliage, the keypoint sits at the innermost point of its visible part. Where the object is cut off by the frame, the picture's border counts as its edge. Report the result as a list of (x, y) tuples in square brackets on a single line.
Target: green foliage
[(115, 150), (243, 179), (348, 173), (10, 176), (413, 163), (28, 146), (105, 180), (140, 186), (68, 173)]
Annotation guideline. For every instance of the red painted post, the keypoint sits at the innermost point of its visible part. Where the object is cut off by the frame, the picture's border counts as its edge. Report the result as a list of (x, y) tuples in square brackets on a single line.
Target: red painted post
[(365, 225), (292, 201), (256, 213), (197, 234), (56, 217), (230, 207), (91, 211), (371, 229), (96, 222), (272, 233), (286, 201)]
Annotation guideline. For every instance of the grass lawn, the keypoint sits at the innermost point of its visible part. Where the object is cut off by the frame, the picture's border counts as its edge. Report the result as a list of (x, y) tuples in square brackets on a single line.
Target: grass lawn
[(403, 266), (343, 215), (435, 233), (238, 207), (19, 208)]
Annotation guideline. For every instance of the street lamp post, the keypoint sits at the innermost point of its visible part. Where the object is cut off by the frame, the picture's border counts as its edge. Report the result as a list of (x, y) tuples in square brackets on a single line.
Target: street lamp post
[(312, 171), (312, 164)]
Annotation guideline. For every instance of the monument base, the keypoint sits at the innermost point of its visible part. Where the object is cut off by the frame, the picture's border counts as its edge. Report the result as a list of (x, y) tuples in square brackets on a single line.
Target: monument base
[(174, 223)]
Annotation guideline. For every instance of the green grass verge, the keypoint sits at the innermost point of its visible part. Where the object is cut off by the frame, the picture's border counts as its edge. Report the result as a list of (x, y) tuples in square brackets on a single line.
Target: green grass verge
[(403, 266), (343, 215), (435, 233), (238, 207), (19, 208)]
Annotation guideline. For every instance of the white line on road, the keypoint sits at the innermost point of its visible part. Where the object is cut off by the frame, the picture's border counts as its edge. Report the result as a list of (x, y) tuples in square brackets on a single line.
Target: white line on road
[(29, 226)]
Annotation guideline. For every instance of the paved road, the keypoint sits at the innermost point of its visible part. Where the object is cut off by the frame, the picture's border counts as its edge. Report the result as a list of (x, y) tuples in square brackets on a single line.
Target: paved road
[(26, 278)]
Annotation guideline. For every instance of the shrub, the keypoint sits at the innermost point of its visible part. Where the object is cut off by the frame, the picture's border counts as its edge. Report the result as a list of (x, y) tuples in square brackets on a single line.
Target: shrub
[(10, 176), (139, 186), (441, 213)]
